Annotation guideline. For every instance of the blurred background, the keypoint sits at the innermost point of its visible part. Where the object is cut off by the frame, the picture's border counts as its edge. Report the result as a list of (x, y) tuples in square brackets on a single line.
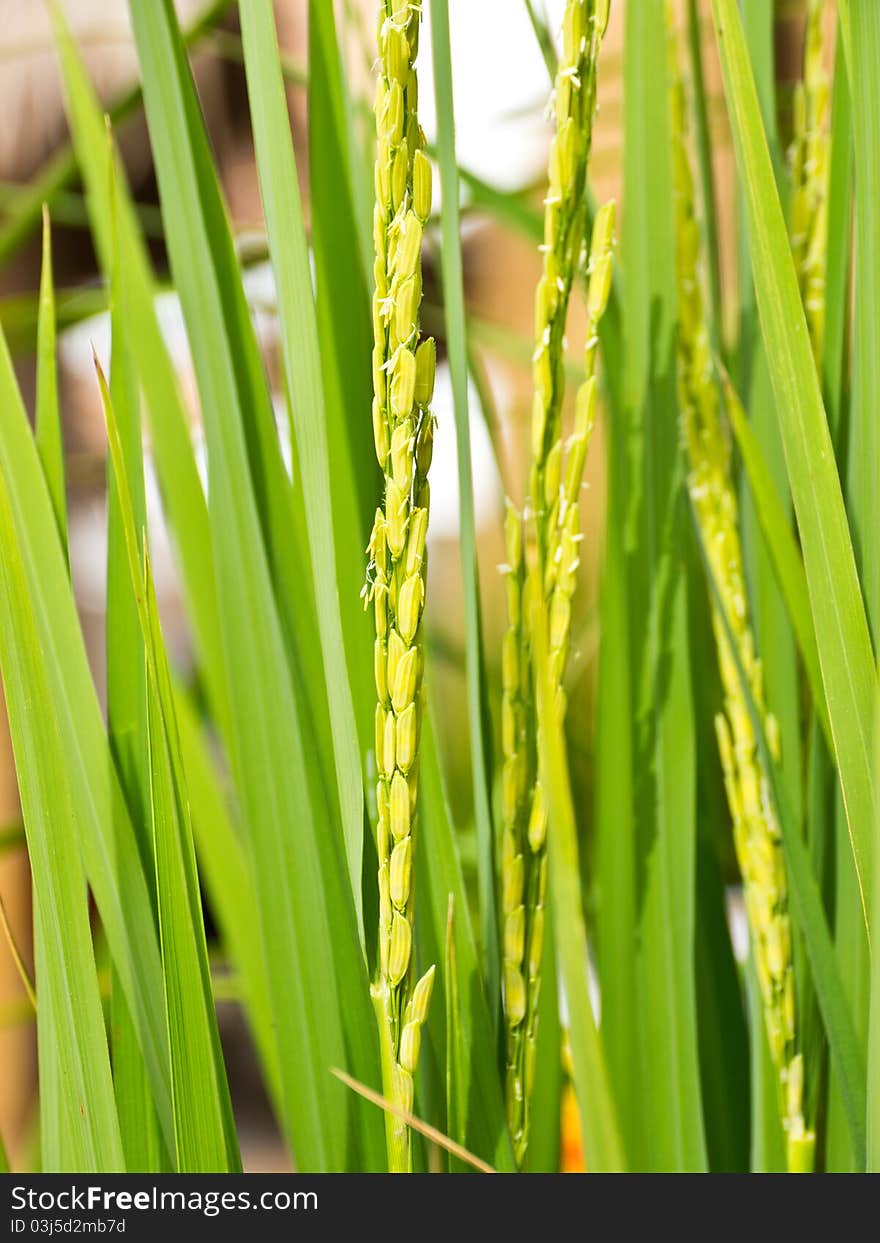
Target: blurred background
[(501, 94)]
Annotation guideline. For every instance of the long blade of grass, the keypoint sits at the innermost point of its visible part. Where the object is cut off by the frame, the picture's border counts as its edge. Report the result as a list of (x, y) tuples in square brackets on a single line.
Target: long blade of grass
[(456, 345), (544, 37), (603, 1148), (860, 26), (227, 874), (767, 1147), (104, 832), (68, 982), (663, 746), (287, 242), (543, 1154), (345, 338), (456, 1106), (202, 1111), (480, 1121), (838, 611), (308, 921), (341, 294), (874, 1029), (614, 809), (780, 540), (773, 631), (835, 372), (851, 945), (709, 219), (48, 411), (846, 1053), (759, 27), (854, 957), (721, 1021), (54, 1144), (204, 1128), (18, 961), (171, 441), (127, 728)]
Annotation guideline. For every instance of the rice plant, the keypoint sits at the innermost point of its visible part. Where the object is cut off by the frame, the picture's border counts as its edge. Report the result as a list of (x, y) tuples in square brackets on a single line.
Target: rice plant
[(523, 900)]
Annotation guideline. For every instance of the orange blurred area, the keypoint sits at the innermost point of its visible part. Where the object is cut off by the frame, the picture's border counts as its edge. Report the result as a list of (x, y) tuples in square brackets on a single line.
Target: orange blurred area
[(571, 1149)]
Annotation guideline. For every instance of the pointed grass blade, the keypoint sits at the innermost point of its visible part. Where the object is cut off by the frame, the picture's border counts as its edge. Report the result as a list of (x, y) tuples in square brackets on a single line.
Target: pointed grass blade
[(115, 223), (106, 838), (456, 345), (873, 1163), (203, 1127), (127, 723), (836, 363), (227, 874), (480, 1119), (841, 627), (342, 306), (661, 892), (787, 559), (279, 189), (48, 412), (308, 921), (860, 27), (68, 984), (603, 1149)]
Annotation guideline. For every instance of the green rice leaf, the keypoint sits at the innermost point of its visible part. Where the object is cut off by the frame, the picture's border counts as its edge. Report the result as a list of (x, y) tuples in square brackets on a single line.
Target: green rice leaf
[(107, 842), (344, 323), (603, 1148), (171, 442), (767, 1148), (543, 1152), (669, 1132), (480, 1120), (835, 372), (79, 1099), (48, 413), (308, 922), (544, 37), (287, 241), (844, 644), (787, 560), (456, 345), (874, 1032), (203, 1127), (127, 726), (707, 176), (615, 885), (227, 874), (721, 1020), (860, 27), (456, 1105)]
